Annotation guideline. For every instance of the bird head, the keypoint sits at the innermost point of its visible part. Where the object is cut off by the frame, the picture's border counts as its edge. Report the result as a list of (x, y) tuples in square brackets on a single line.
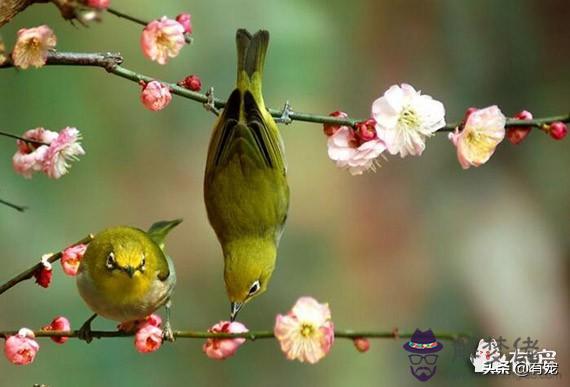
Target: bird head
[(249, 264), (119, 255)]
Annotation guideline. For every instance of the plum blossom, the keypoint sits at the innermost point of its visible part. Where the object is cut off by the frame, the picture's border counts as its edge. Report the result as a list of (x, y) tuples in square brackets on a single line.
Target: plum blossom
[(484, 129), (362, 344), (64, 148), (306, 333), (186, 20), (405, 118), (155, 96), (32, 46), (191, 82), (71, 257), (221, 349), (162, 39), (58, 324), (345, 149), (44, 274), (29, 156), (21, 349), (98, 4), (516, 134), (558, 130), (148, 338)]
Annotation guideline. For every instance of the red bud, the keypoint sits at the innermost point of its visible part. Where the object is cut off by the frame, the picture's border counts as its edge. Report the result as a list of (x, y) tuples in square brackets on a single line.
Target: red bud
[(558, 130), (516, 134)]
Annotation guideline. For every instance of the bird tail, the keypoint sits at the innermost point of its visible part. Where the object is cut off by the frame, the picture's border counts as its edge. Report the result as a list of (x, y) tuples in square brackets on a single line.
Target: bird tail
[(159, 230), (251, 58)]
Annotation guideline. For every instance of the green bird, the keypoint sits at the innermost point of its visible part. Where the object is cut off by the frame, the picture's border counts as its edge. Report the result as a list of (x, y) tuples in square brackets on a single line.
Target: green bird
[(245, 184), (126, 276)]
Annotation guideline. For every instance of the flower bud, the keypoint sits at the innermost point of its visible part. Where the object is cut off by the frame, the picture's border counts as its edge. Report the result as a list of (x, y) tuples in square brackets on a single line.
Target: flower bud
[(186, 20), (516, 134), (191, 82), (155, 96), (71, 257), (331, 129), (43, 276), (148, 339), (21, 349), (361, 344), (220, 349), (98, 4), (58, 324), (557, 130), (366, 130)]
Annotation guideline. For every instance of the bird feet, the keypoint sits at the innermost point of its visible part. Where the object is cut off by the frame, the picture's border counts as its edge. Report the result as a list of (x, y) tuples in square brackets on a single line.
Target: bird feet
[(210, 104), (167, 333), (85, 332), (285, 114)]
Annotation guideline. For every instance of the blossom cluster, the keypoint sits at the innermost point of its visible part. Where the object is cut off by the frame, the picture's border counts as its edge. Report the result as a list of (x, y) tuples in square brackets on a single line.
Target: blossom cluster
[(42, 150), (305, 333), (403, 119)]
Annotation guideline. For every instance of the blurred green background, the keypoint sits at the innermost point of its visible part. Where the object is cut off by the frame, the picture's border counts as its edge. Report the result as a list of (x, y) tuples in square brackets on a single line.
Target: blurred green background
[(418, 244)]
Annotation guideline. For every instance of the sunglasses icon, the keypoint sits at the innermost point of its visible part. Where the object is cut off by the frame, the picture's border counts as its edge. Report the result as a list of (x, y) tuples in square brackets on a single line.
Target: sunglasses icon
[(418, 359)]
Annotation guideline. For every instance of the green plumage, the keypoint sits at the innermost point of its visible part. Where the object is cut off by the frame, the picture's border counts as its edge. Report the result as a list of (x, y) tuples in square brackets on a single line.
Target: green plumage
[(245, 185)]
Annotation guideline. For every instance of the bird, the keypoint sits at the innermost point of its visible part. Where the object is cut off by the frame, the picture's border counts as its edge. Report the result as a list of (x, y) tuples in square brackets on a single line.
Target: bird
[(246, 192), (125, 275)]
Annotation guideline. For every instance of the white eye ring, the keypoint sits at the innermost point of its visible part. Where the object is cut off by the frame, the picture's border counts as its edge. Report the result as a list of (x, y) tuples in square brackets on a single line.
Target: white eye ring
[(254, 288), (110, 264), (143, 263)]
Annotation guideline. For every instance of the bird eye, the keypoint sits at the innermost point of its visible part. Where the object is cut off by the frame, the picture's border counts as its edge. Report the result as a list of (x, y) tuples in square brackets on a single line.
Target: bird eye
[(110, 264), (254, 288)]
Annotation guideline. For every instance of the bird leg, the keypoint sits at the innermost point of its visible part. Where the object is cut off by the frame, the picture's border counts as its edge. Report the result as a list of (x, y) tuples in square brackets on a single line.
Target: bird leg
[(285, 114), (167, 333), (84, 332), (210, 104)]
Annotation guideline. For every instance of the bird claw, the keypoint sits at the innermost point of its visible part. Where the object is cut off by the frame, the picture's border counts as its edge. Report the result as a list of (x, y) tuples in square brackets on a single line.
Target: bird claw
[(285, 114), (167, 333), (210, 104)]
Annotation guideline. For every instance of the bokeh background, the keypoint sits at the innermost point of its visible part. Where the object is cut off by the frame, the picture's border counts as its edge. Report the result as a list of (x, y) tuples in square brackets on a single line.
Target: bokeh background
[(418, 244)]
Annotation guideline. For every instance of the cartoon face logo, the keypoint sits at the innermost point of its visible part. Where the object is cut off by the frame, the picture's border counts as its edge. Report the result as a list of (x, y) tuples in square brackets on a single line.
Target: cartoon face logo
[(423, 347), (486, 355)]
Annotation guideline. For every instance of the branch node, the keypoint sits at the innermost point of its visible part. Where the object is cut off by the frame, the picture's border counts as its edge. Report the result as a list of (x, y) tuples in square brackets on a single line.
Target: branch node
[(210, 104), (285, 114)]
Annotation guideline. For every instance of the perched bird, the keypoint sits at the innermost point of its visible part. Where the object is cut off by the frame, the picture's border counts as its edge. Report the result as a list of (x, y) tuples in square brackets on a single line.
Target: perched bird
[(245, 184), (126, 276)]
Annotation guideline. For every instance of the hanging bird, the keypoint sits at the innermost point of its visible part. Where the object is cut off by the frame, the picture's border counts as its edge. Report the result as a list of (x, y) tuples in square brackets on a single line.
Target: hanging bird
[(245, 184), (126, 276)]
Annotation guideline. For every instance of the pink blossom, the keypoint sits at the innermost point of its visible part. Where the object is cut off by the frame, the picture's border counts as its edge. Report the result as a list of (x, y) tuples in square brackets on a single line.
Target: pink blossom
[(64, 148), (348, 152), (155, 96), (558, 130), (306, 333), (362, 344), (148, 338), (330, 129), (516, 134), (191, 82), (29, 157), (186, 20), (21, 349), (131, 326), (484, 130), (32, 46), (162, 39), (366, 130), (71, 258), (58, 324), (99, 4), (221, 349)]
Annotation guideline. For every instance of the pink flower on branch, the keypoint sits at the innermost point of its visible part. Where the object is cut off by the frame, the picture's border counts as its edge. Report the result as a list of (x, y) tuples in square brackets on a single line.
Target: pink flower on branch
[(64, 148), (484, 129), (348, 152), (221, 349), (71, 257), (58, 324), (362, 344), (516, 134), (191, 82), (22, 348), (148, 338), (185, 19), (98, 4), (162, 39), (306, 333), (557, 130), (29, 156), (32, 46), (155, 96)]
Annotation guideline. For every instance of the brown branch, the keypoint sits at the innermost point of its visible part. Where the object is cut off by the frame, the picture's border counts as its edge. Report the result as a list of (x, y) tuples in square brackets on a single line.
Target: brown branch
[(29, 273)]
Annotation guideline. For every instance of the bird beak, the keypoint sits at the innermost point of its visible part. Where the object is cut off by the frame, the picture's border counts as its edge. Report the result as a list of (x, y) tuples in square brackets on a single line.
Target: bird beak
[(130, 271), (234, 309)]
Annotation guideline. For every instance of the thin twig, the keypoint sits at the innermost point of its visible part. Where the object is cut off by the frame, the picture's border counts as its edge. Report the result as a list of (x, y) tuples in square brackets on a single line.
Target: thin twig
[(14, 206), (252, 335), (29, 273), (38, 143), (112, 63), (136, 20)]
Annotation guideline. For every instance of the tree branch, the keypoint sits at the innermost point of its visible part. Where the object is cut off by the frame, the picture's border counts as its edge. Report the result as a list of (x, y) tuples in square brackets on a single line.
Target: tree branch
[(112, 63), (252, 335), (29, 273), (14, 206)]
